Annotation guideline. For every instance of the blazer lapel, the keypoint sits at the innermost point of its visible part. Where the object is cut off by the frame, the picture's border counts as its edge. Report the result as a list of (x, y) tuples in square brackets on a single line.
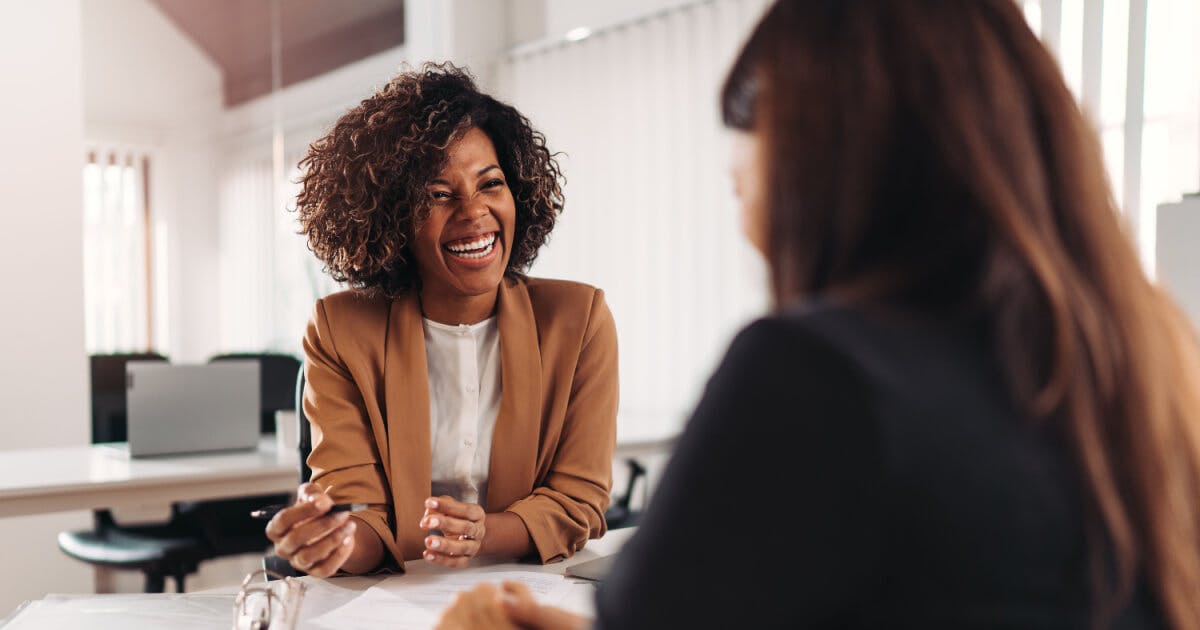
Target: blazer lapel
[(406, 378), (513, 467)]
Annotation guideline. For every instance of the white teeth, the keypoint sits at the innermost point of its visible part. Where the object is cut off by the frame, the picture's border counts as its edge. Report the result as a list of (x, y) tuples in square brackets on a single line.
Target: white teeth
[(479, 243), (478, 254)]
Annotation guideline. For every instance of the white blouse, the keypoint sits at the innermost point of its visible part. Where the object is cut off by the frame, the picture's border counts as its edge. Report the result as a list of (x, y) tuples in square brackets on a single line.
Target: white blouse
[(464, 399)]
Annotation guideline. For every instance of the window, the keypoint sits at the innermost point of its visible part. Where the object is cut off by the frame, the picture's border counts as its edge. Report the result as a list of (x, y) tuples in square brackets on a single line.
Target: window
[(1096, 42), (118, 311)]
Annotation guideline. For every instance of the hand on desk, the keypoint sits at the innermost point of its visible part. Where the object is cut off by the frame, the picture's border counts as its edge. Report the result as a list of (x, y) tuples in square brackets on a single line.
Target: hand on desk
[(510, 605), (462, 526), (308, 538)]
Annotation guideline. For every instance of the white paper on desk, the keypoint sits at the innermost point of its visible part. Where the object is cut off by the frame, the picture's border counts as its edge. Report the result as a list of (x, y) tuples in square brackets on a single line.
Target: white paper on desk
[(187, 611), (416, 602)]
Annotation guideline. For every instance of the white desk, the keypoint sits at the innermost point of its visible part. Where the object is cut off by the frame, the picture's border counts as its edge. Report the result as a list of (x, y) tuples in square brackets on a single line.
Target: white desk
[(41, 480)]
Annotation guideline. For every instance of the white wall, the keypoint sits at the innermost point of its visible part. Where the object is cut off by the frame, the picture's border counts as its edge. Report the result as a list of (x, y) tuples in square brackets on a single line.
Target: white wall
[(146, 84), (564, 15), (43, 377), (1177, 256), (534, 20), (468, 32)]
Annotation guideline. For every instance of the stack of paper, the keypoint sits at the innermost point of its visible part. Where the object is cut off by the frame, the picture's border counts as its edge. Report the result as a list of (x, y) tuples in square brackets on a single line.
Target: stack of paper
[(126, 612), (416, 602)]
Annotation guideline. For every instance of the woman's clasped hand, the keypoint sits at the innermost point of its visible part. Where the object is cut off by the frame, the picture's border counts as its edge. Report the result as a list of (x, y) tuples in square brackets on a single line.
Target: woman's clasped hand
[(456, 531)]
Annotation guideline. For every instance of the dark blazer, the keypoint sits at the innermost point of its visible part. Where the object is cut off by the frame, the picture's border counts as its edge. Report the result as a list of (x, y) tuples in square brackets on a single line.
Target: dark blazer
[(854, 470)]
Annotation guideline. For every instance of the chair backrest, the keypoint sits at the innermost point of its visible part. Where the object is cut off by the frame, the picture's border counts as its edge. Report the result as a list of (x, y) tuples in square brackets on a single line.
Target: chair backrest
[(305, 430), (107, 374), (277, 380), (275, 565)]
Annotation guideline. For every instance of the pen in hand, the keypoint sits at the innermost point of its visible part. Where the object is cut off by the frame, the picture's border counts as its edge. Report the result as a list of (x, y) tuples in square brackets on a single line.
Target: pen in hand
[(266, 513)]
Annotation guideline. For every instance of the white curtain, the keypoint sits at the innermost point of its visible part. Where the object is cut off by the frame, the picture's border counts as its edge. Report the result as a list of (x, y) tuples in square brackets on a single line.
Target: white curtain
[(115, 251), (650, 215)]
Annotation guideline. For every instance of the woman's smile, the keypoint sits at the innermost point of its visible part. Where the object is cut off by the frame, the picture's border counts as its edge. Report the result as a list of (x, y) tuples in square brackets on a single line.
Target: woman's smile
[(475, 251)]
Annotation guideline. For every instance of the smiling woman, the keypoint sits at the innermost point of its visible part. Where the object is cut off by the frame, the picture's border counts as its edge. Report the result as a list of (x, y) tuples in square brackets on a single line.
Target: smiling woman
[(472, 407), (460, 246)]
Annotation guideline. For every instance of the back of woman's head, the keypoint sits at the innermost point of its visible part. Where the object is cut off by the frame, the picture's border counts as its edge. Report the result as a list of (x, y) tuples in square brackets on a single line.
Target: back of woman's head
[(928, 151)]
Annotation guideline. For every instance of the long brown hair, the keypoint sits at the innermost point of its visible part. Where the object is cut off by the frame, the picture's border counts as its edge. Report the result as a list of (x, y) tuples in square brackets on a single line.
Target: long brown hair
[(929, 151)]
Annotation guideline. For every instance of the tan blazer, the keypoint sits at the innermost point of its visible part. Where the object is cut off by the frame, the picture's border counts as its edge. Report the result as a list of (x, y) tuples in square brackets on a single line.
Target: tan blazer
[(367, 397)]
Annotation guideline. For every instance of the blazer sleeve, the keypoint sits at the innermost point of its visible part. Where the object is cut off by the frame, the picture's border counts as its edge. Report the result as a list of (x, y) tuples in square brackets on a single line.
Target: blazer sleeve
[(568, 508), (345, 458)]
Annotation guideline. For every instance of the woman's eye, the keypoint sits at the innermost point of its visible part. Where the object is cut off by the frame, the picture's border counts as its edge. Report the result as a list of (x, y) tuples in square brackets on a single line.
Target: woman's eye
[(440, 194), (494, 183)]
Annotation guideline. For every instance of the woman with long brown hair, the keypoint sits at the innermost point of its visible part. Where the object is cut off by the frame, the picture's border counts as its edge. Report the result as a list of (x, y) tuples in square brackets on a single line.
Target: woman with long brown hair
[(971, 408)]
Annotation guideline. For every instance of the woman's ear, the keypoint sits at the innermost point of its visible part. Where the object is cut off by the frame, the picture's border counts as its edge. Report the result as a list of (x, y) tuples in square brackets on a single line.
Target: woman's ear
[(749, 181)]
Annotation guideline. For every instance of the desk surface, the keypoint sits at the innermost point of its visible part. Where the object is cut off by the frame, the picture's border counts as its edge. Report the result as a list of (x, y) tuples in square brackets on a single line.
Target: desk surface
[(608, 545), (212, 609), (323, 598), (41, 480)]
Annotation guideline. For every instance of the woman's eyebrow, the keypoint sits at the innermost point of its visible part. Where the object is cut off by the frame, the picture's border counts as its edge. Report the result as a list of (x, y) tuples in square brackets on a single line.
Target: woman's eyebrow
[(479, 174)]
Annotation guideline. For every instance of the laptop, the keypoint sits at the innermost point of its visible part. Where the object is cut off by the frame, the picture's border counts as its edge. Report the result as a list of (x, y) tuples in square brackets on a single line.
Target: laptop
[(192, 408), (592, 570)]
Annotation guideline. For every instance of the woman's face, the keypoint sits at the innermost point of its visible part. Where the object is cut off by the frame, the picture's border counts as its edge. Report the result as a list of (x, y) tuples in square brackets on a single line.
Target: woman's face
[(748, 185), (462, 249)]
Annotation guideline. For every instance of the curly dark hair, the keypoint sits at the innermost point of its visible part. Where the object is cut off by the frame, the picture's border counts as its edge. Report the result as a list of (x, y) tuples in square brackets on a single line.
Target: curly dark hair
[(363, 191)]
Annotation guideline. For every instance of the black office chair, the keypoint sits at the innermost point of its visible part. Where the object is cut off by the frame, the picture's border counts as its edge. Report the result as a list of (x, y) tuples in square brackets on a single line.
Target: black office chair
[(107, 373), (274, 565), (621, 513), (304, 430), (158, 550)]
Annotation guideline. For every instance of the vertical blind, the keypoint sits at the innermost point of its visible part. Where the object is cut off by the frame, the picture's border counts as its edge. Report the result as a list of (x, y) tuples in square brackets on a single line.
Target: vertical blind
[(269, 279), (650, 215), (247, 239)]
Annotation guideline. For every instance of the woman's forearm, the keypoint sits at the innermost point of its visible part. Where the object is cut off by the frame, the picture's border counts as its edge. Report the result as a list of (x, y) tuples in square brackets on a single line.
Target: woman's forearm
[(506, 536), (368, 550)]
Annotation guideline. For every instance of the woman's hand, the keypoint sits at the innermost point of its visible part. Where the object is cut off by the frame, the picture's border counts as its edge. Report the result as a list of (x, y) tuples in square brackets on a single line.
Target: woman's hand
[(510, 606), (308, 538), (463, 526), (477, 609)]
